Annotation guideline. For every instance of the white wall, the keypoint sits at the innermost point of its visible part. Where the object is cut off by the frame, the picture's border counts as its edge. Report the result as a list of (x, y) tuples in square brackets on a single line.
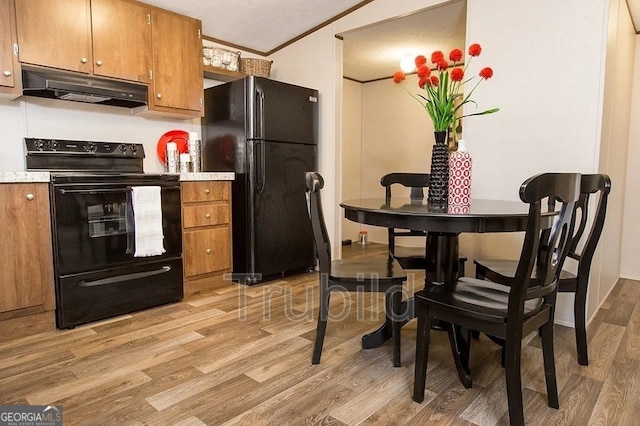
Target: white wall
[(351, 151), (614, 149), (630, 267)]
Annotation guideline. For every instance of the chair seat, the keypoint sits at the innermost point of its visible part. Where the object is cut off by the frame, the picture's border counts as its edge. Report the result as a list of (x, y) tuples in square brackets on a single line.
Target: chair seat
[(476, 298), (364, 269), (503, 271)]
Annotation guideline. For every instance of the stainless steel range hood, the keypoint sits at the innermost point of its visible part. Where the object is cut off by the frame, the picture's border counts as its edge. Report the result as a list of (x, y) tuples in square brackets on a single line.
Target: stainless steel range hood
[(70, 86)]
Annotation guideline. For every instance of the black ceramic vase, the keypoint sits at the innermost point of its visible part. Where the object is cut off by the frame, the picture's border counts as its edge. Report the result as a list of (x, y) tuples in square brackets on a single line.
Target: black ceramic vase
[(439, 182)]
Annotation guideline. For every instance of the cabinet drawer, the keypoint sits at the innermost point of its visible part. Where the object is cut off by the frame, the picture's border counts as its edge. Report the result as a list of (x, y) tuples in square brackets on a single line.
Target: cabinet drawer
[(205, 215), (206, 250), (205, 191)]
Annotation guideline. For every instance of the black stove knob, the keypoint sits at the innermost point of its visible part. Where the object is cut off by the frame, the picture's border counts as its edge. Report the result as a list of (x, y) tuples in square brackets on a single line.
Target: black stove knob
[(54, 144), (38, 144), (123, 148), (133, 148), (90, 147)]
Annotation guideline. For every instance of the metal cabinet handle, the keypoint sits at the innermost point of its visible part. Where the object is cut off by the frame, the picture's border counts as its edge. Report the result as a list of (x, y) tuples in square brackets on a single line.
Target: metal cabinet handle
[(208, 251), (98, 63), (7, 73), (208, 215), (30, 197), (207, 191), (159, 96), (83, 60)]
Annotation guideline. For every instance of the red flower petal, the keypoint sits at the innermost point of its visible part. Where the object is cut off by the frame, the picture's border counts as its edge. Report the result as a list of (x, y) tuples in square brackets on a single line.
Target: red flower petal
[(443, 64), (424, 71), (486, 73), (420, 60), (455, 55), (398, 77), (437, 56), (422, 82), (457, 74), (475, 49), (434, 80)]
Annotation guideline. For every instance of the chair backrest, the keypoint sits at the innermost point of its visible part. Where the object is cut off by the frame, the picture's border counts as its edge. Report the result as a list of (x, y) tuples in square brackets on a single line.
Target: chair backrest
[(592, 186), (547, 237), (315, 183), (416, 181)]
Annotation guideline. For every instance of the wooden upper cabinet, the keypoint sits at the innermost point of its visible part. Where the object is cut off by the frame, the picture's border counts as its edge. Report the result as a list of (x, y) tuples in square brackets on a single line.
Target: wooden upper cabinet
[(55, 33), (8, 64), (121, 40), (177, 64), (110, 38)]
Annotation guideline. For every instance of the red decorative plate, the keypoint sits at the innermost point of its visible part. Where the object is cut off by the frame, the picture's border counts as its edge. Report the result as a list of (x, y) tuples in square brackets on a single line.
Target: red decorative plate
[(180, 137)]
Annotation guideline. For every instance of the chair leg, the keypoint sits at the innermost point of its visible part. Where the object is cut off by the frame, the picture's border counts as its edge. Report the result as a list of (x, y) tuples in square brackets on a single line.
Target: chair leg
[(460, 350), (512, 373), (579, 313), (549, 364), (422, 352), (394, 303), (323, 314)]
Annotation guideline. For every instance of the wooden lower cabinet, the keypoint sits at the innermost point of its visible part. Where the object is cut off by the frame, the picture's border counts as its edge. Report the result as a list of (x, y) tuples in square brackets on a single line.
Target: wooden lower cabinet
[(26, 266), (206, 228)]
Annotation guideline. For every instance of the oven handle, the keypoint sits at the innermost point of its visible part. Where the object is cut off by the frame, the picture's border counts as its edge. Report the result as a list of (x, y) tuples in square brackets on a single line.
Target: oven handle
[(93, 191), (126, 277)]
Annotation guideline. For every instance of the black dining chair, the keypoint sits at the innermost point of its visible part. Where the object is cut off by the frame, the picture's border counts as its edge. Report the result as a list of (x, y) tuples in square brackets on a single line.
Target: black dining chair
[(363, 274), (410, 257), (594, 191), (510, 312)]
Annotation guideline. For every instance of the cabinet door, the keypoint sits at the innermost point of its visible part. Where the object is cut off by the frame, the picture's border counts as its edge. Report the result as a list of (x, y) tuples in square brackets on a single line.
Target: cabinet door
[(26, 266), (55, 33), (7, 35), (177, 64), (206, 250), (121, 39)]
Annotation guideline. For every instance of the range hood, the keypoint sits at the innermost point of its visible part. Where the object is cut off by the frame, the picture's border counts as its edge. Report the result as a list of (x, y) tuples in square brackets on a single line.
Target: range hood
[(82, 88)]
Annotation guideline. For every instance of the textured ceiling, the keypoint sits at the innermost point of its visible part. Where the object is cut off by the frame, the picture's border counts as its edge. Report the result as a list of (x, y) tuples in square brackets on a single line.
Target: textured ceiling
[(374, 51), (259, 25), (369, 53)]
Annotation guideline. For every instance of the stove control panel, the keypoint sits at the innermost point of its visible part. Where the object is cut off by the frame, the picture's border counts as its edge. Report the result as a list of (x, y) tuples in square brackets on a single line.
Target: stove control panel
[(55, 147)]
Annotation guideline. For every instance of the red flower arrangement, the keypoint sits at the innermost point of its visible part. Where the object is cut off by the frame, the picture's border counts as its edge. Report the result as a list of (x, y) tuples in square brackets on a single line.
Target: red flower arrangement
[(443, 88)]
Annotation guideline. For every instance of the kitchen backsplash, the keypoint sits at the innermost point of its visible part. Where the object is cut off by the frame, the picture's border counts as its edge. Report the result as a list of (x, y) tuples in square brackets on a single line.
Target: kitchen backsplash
[(33, 117)]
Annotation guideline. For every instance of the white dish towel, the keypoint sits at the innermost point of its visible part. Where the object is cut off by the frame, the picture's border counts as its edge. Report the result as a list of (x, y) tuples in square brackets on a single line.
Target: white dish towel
[(147, 217)]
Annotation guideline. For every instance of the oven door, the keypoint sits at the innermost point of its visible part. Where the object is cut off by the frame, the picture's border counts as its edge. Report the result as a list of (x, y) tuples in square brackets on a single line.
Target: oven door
[(93, 225)]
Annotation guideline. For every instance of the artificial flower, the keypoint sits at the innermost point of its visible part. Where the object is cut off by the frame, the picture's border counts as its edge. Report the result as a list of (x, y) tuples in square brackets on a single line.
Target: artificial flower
[(442, 89)]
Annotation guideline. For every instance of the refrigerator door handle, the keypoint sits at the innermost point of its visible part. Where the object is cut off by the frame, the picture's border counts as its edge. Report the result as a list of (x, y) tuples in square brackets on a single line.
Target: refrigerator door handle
[(259, 111), (260, 166)]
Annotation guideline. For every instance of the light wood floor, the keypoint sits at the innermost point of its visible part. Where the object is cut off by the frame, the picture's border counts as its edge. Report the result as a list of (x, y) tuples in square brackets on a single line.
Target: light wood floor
[(242, 355)]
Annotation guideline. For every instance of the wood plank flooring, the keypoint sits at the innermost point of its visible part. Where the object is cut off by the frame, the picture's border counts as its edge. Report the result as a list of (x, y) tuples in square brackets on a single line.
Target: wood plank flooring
[(236, 355)]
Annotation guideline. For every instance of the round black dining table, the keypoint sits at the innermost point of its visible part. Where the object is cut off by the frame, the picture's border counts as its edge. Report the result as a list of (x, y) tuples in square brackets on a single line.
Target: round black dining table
[(443, 225)]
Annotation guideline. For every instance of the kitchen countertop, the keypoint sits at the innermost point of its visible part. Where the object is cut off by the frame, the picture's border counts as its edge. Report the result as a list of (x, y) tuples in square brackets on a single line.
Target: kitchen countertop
[(44, 177), (207, 176), (24, 177)]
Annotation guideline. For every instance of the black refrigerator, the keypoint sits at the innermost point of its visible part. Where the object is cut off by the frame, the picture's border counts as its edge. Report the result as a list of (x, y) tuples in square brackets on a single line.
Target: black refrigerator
[(266, 132)]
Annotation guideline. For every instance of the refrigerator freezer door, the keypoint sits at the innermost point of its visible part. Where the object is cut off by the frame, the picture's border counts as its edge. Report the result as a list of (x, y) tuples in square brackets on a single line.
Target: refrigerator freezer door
[(281, 112), (283, 240)]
